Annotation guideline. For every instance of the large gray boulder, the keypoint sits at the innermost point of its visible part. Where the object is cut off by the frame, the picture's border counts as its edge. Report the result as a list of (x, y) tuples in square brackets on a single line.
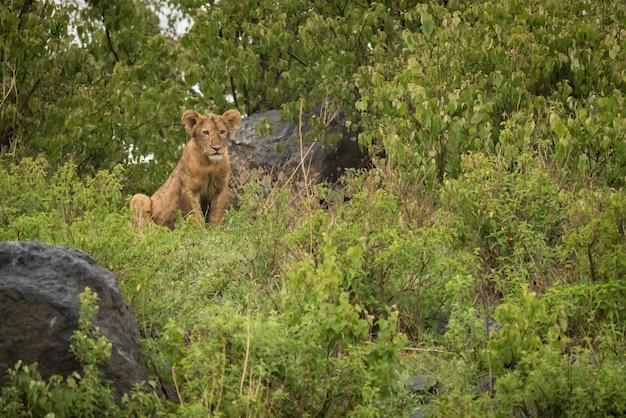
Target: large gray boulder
[(277, 149), (39, 310)]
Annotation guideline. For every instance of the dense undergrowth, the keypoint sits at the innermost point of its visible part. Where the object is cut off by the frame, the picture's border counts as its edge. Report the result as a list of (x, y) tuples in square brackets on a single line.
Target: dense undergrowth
[(291, 309), (500, 197)]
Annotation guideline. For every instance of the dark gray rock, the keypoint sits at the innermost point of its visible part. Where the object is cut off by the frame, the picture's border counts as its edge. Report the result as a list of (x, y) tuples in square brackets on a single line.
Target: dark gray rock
[(485, 383), (490, 325), (279, 151), (423, 384), (39, 310)]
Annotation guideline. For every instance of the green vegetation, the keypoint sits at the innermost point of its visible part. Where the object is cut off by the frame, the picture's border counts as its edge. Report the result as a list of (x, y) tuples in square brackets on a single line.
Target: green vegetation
[(498, 192)]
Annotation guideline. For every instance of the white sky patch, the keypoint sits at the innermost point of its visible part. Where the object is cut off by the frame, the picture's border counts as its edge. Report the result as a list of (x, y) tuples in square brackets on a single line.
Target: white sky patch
[(195, 88), (172, 21), (76, 6), (142, 159)]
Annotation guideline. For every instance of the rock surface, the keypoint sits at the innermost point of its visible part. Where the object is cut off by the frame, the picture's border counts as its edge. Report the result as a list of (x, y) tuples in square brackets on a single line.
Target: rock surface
[(278, 150), (490, 325), (423, 384), (485, 383), (39, 310)]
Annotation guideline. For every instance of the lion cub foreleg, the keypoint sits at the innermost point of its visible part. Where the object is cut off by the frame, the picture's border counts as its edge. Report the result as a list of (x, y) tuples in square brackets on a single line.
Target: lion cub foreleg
[(217, 208), (142, 208), (191, 202)]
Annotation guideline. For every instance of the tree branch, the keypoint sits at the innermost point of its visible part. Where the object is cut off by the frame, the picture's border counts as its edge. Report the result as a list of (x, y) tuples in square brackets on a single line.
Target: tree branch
[(233, 90), (24, 102), (108, 34), (297, 59), (25, 9)]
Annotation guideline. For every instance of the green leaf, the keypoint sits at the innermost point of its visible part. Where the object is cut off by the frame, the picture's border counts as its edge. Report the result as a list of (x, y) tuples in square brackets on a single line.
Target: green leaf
[(409, 40), (361, 105), (428, 24), (557, 125)]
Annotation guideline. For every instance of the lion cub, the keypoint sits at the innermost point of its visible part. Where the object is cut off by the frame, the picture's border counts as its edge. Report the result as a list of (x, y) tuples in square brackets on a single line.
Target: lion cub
[(199, 183)]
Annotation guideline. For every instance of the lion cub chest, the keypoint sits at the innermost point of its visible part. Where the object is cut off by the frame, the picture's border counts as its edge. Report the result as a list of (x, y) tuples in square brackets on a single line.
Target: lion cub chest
[(212, 185), (202, 175)]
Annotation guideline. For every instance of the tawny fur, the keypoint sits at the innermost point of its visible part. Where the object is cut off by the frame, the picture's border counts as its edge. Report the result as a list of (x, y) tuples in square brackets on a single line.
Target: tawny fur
[(198, 186)]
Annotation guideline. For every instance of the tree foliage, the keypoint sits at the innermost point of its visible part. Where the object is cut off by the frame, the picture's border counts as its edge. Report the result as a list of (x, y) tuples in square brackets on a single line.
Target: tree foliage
[(104, 82)]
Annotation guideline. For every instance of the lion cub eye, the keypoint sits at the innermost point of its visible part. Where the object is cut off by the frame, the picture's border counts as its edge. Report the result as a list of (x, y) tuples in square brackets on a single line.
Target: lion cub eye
[(222, 132), (205, 132)]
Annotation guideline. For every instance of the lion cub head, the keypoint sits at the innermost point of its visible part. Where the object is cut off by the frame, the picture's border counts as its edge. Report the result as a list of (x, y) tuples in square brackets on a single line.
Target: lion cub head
[(211, 132)]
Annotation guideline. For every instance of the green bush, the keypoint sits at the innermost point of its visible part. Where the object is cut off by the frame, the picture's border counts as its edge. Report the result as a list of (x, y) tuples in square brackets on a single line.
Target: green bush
[(472, 67), (315, 356), (594, 263), (62, 208), (549, 383), (511, 214), (537, 371)]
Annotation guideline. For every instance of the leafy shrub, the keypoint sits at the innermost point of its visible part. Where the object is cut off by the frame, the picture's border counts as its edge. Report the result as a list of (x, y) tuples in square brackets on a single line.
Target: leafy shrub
[(589, 137), (547, 379), (411, 267), (63, 208), (314, 357), (512, 216), (471, 67), (549, 383), (592, 282), (537, 372)]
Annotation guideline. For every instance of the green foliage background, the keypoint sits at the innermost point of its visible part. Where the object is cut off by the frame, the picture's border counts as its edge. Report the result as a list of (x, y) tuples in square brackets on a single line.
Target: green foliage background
[(498, 132)]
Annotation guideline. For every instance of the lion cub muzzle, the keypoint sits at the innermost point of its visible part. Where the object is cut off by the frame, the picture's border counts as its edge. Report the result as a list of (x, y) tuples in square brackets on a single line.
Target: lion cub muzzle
[(217, 155)]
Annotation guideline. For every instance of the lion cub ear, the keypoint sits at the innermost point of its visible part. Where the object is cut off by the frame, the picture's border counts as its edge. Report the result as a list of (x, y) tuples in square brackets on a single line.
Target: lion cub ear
[(190, 119), (231, 118)]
